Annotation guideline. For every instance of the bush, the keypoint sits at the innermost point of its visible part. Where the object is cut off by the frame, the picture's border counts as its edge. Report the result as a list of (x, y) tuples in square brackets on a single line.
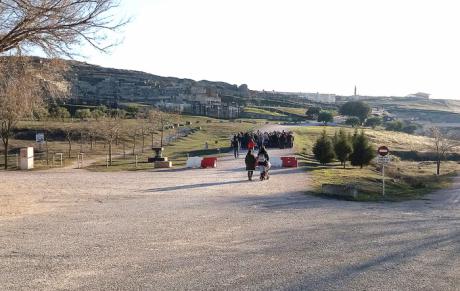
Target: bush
[(400, 126), (83, 114), (394, 126), (374, 122), (363, 153), (325, 117), (313, 112), (97, 113), (60, 113), (342, 147), (353, 121), (356, 108), (323, 149)]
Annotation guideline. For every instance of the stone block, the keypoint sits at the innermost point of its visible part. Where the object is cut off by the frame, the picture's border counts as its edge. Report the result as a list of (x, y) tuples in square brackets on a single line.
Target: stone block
[(346, 191), (162, 165)]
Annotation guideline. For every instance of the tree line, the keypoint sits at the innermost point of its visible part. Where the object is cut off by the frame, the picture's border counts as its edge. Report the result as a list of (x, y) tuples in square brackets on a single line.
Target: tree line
[(344, 147), (99, 125), (358, 114)]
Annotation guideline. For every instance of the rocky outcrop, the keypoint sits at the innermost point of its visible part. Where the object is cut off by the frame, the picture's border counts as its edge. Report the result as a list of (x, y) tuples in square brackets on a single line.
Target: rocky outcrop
[(93, 84)]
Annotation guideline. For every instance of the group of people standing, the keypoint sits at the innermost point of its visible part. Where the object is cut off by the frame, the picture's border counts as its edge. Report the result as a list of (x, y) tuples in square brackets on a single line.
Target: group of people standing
[(257, 140)]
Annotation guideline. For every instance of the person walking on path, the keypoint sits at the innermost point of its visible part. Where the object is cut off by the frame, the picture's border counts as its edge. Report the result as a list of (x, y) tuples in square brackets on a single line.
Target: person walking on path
[(250, 161), (251, 144), (263, 161), (236, 147)]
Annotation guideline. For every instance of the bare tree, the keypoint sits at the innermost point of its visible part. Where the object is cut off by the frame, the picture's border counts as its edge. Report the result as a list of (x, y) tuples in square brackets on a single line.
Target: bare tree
[(92, 132), (69, 132), (143, 128), (161, 121), (109, 129), (56, 26), (17, 98), (442, 145), (133, 134)]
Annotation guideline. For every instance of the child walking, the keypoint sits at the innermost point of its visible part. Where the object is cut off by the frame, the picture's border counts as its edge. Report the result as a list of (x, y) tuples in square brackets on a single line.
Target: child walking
[(250, 161)]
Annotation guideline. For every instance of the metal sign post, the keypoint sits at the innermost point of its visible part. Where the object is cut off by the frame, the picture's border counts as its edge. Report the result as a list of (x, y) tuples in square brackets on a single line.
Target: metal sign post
[(383, 179), (383, 159)]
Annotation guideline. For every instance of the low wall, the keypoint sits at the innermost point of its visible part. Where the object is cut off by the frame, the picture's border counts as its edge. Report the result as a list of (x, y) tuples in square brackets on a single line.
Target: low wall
[(345, 191)]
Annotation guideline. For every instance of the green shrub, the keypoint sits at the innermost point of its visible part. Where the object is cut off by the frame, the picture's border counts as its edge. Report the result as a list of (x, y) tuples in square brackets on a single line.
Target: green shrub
[(323, 149)]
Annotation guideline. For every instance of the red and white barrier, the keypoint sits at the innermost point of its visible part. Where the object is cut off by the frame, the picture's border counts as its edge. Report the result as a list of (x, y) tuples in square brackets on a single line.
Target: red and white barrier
[(284, 162)]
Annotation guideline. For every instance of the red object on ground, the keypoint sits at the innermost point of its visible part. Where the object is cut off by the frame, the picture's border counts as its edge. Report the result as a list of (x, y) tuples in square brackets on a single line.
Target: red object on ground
[(289, 162), (210, 162)]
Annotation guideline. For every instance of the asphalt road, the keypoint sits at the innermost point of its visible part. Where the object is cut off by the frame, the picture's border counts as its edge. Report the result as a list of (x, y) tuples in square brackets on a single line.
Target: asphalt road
[(212, 229)]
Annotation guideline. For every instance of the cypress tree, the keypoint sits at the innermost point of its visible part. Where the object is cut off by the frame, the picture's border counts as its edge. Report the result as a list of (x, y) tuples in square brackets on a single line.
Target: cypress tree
[(342, 147), (324, 149), (363, 153)]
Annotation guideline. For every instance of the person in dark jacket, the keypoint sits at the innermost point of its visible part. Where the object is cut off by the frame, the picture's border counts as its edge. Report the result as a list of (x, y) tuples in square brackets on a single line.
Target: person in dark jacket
[(250, 161), (236, 147)]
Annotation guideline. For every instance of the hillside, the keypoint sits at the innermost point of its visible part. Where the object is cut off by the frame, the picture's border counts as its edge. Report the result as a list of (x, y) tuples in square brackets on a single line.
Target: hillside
[(94, 85)]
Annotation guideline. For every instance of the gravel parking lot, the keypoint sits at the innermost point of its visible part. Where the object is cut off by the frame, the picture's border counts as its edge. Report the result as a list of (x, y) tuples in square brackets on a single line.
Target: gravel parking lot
[(212, 229)]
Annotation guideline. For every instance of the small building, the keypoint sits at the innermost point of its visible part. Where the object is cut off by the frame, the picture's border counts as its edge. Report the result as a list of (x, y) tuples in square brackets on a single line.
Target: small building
[(420, 95), (320, 98)]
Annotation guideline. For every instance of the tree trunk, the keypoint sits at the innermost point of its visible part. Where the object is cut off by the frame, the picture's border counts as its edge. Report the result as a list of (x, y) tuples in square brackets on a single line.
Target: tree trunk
[(70, 147), (134, 146), (161, 142), (143, 142), (124, 150), (438, 167), (152, 139), (47, 151), (110, 153), (5, 144)]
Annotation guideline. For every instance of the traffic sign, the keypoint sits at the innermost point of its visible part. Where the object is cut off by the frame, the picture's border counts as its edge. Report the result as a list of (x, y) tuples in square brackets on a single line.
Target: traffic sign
[(383, 151), (383, 160), (40, 137)]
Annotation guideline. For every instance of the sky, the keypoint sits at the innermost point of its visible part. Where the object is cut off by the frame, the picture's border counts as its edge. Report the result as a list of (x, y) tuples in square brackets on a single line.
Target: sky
[(385, 48)]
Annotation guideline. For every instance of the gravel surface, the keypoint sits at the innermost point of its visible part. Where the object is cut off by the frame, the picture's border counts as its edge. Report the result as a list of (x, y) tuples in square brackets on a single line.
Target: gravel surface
[(212, 229)]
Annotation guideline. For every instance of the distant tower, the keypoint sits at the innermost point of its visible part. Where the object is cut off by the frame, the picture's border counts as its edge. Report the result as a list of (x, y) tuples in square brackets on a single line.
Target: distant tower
[(356, 91)]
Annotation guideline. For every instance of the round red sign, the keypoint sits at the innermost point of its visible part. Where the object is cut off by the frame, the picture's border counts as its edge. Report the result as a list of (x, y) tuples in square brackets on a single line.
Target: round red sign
[(383, 151)]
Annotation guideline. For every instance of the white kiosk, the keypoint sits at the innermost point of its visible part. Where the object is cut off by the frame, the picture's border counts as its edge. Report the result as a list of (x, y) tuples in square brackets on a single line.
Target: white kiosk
[(26, 158)]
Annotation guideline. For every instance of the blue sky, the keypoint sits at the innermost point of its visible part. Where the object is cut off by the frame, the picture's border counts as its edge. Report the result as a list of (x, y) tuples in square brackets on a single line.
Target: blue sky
[(387, 47)]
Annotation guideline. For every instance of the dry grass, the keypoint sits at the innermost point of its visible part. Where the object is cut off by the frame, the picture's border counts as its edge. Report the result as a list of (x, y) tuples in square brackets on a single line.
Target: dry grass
[(405, 179), (219, 130)]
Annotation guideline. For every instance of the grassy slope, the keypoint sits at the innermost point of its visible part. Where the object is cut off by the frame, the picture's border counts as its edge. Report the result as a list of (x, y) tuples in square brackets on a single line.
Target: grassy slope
[(217, 134), (405, 180), (122, 155), (291, 110), (261, 111)]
